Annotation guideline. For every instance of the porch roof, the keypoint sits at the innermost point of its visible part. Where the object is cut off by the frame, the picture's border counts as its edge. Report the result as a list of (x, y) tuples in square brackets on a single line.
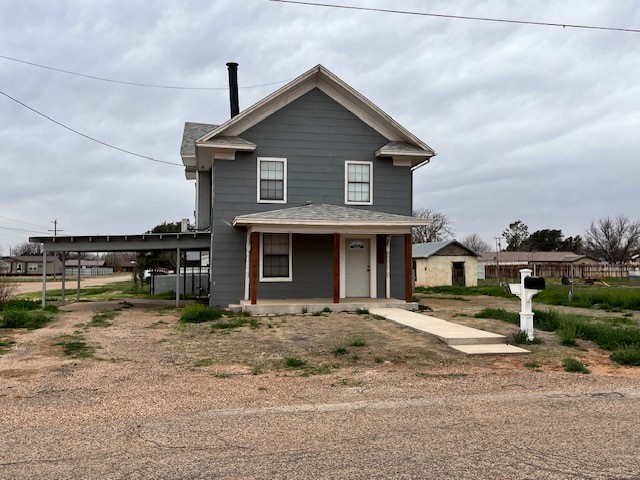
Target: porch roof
[(329, 218)]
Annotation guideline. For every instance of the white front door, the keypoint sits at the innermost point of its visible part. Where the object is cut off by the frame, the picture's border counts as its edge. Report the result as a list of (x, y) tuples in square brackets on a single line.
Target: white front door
[(357, 267)]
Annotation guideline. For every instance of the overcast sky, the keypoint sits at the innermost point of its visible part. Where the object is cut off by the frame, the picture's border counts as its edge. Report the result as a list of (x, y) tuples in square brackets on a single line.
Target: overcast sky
[(535, 123)]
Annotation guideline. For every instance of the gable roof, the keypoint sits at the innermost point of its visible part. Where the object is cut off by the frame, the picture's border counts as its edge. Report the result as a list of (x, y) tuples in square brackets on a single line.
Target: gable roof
[(425, 250), (526, 257), (403, 143), (192, 132)]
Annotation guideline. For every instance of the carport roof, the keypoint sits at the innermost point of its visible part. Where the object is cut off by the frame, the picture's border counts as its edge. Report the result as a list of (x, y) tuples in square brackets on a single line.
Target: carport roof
[(126, 243)]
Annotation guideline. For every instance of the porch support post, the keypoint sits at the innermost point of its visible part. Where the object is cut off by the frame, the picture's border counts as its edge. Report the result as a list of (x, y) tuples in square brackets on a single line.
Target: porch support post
[(387, 261), (177, 277), (64, 276), (247, 266), (44, 275), (336, 268), (408, 290), (78, 292), (255, 249)]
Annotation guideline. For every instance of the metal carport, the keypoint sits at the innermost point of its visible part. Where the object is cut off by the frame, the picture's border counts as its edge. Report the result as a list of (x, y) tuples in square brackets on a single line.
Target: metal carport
[(121, 243)]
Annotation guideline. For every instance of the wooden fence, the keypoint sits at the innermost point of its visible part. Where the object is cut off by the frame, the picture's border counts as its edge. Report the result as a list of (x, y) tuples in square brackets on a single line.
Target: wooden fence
[(558, 270)]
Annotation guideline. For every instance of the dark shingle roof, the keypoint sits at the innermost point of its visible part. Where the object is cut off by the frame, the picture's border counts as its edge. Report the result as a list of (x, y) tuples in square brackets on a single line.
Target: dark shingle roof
[(192, 132), (322, 213)]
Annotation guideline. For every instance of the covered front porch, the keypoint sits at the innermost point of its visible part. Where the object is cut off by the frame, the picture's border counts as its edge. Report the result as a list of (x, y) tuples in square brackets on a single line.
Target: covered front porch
[(326, 256)]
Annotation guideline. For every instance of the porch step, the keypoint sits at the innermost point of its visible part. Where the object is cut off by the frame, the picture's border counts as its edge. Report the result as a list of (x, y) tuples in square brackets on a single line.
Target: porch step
[(464, 339)]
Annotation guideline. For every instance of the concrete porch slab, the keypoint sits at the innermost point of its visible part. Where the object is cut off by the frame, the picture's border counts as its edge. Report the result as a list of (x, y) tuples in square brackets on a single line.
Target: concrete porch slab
[(295, 305), (464, 339)]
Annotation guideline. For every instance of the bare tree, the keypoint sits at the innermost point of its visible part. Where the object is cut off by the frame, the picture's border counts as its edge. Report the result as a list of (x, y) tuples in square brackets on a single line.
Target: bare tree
[(7, 289), (613, 239), (27, 248), (440, 228), (475, 243)]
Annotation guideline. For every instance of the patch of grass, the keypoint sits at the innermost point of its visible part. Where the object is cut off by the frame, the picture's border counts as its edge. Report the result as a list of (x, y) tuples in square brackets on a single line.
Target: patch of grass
[(378, 359), (574, 365), (532, 365), (101, 319), (5, 345), (327, 310), (319, 313), (20, 304), (627, 355), (30, 319), (198, 313), (316, 370), (547, 320), (362, 311), (355, 357), (379, 317), (499, 314), (356, 340), (492, 290), (126, 304), (256, 371), (304, 310), (567, 334), (340, 351), (204, 362), (233, 323), (74, 346), (292, 361), (520, 338)]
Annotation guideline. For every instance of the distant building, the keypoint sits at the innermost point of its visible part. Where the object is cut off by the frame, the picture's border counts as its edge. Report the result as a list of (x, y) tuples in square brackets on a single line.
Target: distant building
[(29, 265), (444, 263)]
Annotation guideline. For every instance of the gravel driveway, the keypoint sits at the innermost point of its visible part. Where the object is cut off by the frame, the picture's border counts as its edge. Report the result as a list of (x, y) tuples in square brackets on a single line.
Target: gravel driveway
[(143, 408)]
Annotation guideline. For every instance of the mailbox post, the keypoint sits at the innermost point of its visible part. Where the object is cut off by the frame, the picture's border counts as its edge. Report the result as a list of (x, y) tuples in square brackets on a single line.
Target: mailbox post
[(526, 289)]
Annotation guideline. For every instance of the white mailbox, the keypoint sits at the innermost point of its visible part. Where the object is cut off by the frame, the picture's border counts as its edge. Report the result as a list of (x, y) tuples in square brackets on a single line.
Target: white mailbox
[(526, 289)]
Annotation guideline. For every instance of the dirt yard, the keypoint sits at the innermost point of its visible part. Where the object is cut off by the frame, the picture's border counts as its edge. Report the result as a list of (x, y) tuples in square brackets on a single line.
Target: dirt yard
[(152, 398)]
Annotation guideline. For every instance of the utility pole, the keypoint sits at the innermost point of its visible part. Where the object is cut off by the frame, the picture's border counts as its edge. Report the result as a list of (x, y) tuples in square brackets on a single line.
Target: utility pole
[(498, 246), (55, 231)]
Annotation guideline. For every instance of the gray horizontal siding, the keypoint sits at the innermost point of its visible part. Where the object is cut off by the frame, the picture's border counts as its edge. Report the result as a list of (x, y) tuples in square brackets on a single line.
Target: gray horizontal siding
[(317, 136)]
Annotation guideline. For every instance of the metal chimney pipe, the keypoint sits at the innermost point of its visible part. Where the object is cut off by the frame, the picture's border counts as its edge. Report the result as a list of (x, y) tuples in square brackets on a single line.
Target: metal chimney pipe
[(233, 88)]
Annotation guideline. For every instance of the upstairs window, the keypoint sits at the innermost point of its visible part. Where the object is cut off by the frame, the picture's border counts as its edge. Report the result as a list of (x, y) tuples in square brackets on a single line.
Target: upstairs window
[(276, 257), (358, 183), (272, 180)]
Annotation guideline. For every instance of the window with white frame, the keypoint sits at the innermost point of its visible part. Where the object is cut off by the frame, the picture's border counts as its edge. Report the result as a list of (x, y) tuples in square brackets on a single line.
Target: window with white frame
[(358, 183), (276, 257), (272, 180)]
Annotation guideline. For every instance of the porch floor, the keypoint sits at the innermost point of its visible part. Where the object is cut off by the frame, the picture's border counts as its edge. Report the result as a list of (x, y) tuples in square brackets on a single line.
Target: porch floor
[(295, 305)]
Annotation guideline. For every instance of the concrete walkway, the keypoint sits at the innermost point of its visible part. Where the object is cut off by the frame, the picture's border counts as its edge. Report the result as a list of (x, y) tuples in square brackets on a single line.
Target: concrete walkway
[(464, 339)]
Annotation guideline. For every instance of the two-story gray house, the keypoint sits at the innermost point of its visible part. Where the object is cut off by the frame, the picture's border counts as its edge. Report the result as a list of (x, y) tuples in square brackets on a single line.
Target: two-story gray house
[(307, 195)]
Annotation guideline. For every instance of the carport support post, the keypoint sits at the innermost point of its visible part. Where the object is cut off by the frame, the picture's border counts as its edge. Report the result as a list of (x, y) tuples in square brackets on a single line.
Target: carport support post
[(78, 292), (387, 262), (408, 287), (64, 275), (177, 277), (44, 275)]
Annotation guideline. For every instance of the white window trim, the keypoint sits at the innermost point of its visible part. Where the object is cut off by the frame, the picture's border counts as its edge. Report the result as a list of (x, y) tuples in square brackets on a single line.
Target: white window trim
[(260, 261), (346, 181), (284, 186)]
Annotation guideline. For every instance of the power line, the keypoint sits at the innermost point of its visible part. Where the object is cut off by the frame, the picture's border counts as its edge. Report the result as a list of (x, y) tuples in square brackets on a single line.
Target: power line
[(22, 230), (135, 84), (128, 152), (457, 17), (22, 222)]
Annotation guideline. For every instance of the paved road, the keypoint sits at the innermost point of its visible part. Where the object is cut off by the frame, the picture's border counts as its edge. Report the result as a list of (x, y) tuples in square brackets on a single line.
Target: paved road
[(516, 433), (32, 287)]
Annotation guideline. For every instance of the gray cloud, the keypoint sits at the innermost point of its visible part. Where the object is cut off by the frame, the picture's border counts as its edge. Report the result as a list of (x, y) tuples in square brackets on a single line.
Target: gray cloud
[(531, 123)]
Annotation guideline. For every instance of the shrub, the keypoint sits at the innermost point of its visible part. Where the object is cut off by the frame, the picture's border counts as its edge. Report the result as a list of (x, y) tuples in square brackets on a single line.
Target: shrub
[(24, 319), (357, 341), (627, 355), (575, 366), (520, 338), (339, 351), (20, 304), (362, 311), (294, 362), (198, 313)]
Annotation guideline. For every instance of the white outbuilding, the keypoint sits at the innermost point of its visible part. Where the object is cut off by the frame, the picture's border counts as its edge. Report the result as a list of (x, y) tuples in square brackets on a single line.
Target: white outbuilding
[(444, 263)]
